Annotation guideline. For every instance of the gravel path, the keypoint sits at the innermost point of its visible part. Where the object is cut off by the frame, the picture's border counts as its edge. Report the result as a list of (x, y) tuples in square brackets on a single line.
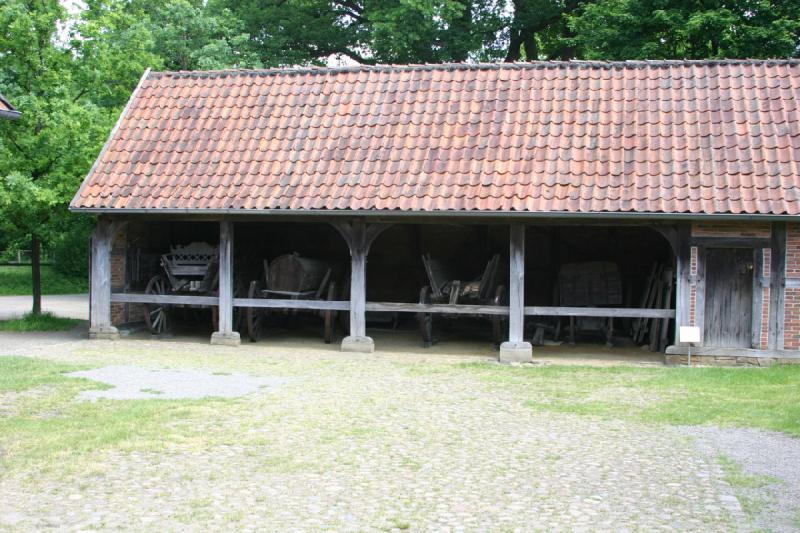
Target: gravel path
[(773, 459), (137, 383), (65, 305)]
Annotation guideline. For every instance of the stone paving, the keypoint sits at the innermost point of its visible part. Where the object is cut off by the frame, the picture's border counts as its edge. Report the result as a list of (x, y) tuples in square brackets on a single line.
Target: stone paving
[(373, 443)]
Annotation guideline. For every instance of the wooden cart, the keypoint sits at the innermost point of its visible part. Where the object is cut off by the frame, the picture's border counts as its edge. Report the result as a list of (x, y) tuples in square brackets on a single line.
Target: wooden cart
[(590, 284), (293, 277), (443, 289), (187, 270)]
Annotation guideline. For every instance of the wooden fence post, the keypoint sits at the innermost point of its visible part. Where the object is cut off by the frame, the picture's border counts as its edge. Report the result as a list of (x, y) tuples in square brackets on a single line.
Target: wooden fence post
[(516, 350), (225, 334), (100, 296)]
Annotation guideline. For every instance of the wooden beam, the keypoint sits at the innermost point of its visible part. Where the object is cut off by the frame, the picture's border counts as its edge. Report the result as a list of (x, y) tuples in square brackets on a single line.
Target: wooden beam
[(731, 242), (100, 326), (606, 312), (682, 277), (516, 288), (280, 303), (775, 337), (455, 309), (225, 334), (171, 299)]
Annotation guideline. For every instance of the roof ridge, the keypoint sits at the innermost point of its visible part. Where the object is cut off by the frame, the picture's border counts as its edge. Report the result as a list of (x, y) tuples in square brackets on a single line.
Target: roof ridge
[(384, 67)]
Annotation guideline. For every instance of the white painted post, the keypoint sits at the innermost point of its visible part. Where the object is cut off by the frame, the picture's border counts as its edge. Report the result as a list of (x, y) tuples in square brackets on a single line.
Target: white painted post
[(516, 350), (100, 298), (225, 334)]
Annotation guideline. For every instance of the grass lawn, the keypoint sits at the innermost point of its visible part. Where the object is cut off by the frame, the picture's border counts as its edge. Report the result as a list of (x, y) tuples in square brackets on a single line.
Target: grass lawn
[(42, 425), (16, 281), (42, 322), (766, 398)]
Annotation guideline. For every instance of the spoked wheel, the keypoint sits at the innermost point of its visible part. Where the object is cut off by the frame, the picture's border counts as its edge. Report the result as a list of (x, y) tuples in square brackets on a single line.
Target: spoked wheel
[(425, 319), (499, 322), (329, 315), (155, 315), (254, 317)]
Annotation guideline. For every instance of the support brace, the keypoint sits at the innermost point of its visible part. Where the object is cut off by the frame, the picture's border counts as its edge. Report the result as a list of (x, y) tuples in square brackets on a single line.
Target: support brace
[(516, 350), (100, 326), (359, 237), (225, 335)]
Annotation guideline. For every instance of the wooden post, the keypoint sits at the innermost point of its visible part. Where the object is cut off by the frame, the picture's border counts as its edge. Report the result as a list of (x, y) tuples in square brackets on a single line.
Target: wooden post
[(100, 326), (516, 350), (683, 280), (225, 334), (359, 237), (777, 286)]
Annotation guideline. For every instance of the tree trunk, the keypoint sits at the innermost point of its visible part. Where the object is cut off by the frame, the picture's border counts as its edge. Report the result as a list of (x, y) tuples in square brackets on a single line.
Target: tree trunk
[(36, 274)]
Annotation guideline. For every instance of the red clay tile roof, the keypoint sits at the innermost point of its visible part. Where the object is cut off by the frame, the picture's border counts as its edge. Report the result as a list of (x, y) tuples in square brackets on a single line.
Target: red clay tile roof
[(643, 137)]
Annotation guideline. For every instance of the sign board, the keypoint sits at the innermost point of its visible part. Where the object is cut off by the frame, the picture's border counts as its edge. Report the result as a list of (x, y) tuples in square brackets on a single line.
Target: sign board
[(689, 334)]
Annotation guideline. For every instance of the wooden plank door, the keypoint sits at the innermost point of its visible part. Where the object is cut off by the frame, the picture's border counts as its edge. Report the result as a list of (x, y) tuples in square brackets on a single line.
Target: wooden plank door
[(729, 297)]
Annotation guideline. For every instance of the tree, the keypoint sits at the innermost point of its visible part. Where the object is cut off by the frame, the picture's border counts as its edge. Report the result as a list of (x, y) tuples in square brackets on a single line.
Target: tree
[(58, 84), (693, 29)]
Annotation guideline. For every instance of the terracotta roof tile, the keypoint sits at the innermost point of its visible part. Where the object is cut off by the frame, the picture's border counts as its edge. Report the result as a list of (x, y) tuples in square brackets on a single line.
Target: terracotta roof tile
[(651, 137)]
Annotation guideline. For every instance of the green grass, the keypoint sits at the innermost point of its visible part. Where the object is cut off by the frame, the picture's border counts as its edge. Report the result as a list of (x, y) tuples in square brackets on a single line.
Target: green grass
[(42, 426), (764, 398), (42, 322), (16, 281), (746, 487)]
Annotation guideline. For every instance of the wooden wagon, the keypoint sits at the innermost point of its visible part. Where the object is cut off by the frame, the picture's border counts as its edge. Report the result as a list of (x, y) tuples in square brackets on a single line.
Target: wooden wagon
[(590, 284), (443, 289), (186, 270), (293, 277)]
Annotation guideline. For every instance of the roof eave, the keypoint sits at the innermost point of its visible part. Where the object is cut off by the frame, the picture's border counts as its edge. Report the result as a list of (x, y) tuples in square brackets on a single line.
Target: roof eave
[(11, 115), (386, 213)]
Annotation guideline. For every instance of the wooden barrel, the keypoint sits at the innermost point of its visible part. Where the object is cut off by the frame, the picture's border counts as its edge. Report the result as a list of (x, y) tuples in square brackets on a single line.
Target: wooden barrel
[(292, 273)]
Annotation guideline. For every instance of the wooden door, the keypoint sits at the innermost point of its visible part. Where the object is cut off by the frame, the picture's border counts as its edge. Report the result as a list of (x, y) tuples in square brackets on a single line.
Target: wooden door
[(729, 297)]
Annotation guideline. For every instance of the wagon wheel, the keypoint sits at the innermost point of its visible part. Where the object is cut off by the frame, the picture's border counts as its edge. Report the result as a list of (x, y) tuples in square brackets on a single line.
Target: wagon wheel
[(425, 319), (254, 317), (155, 315), (499, 322), (329, 315)]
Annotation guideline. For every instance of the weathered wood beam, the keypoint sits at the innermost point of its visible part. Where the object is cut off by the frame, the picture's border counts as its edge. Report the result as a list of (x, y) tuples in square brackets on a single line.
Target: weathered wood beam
[(359, 237), (516, 349), (683, 281), (170, 299), (225, 334), (775, 337), (605, 312), (100, 326), (278, 303)]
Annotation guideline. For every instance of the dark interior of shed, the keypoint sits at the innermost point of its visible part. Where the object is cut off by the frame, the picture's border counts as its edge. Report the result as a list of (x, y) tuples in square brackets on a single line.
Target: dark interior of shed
[(396, 271)]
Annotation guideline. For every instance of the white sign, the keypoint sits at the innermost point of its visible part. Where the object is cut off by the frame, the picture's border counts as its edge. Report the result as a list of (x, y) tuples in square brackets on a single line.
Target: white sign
[(689, 334)]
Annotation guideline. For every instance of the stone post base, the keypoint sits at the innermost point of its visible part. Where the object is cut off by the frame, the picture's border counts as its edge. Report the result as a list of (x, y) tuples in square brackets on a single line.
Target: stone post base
[(108, 333), (226, 339), (358, 344), (516, 352)]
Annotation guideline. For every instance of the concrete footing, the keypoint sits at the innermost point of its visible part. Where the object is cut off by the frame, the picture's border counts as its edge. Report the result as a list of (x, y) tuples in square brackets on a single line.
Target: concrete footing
[(516, 352), (108, 333), (226, 339), (358, 344)]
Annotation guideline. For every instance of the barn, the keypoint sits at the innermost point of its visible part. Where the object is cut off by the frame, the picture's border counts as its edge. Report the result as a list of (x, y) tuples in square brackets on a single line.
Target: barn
[(542, 202)]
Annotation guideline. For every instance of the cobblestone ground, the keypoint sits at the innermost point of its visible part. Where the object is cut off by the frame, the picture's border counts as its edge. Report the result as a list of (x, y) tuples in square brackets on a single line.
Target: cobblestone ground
[(372, 443)]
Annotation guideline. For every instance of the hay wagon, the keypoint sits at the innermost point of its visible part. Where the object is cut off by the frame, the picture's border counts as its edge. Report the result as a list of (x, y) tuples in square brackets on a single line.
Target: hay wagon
[(191, 270), (294, 277), (443, 289)]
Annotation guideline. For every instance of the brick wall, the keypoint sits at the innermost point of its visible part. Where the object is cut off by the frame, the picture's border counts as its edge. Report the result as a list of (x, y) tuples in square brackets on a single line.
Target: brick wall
[(731, 229), (766, 266), (118, 274), (791, 337), (693, 287)]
